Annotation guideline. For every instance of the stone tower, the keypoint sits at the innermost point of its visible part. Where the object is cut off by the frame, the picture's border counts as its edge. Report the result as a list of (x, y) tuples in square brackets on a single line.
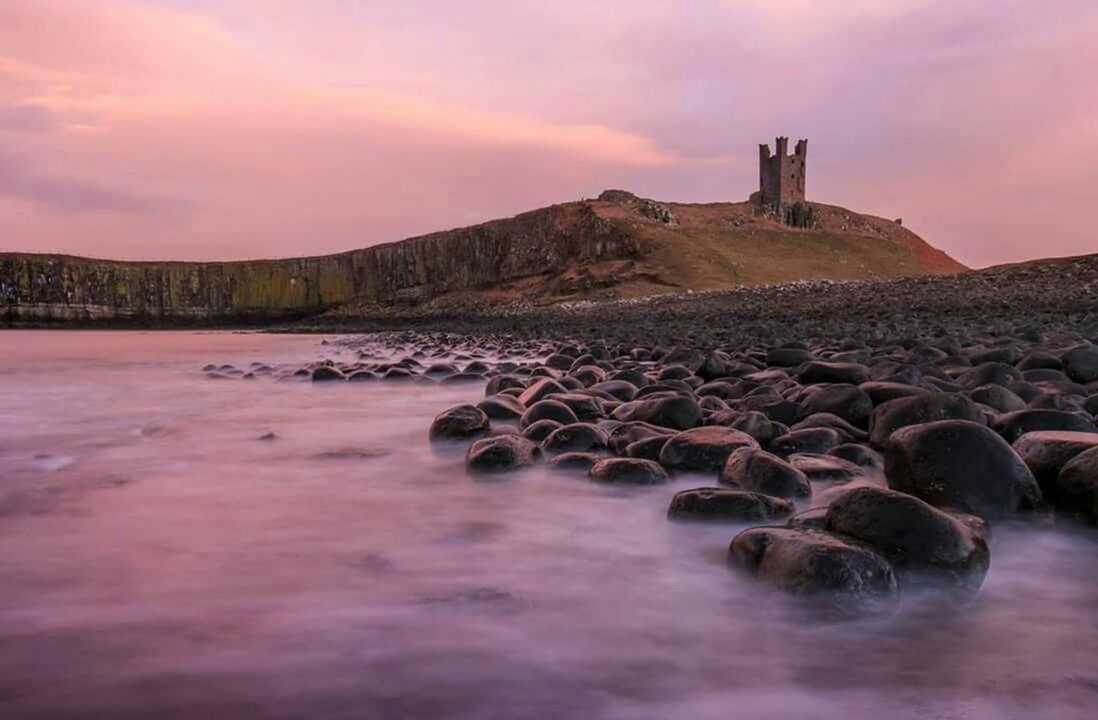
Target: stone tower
[(781, 176), (781, 182)]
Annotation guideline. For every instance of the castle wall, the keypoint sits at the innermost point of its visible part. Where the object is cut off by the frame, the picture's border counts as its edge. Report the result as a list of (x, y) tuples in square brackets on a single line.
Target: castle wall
[(781, 175)]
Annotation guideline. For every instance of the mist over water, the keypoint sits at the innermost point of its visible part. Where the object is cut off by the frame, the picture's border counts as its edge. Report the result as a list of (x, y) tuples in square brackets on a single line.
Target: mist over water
[(159, 559)]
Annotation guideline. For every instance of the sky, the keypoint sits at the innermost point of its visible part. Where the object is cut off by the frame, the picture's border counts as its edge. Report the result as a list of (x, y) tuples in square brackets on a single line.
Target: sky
[(233, 129)]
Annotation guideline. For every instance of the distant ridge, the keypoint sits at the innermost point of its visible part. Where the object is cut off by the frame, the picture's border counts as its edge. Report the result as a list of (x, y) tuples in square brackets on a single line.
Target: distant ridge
[(618, 245)]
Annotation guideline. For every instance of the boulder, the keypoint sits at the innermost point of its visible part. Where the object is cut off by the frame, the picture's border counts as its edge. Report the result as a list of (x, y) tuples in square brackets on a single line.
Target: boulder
[(703, 449), (628, 471), (1076, 491), (548, 410), (1047, 451), (1015, 424), (501, 453), (902, 412), (1081, 363), (710, 503), (842, 574), (961, 465), (914, 536), (759, 471), (458, 423), (577, 437), (811, 440), (678, 413)]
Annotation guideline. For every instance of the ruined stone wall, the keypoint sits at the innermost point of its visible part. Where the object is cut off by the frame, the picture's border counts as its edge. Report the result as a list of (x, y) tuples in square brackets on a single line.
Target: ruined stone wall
[(781, 175), (46, 288)]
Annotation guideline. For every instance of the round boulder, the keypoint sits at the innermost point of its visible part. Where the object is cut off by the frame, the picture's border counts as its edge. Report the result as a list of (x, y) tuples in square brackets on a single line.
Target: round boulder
[(759, 471), (710, 503), (461, 422), (914, 536), (962, 465), (628, 471), (845, 575), (704, 449), (501, 453)]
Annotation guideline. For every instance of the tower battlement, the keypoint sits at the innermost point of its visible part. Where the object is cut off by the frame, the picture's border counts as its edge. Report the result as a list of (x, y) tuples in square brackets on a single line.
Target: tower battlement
[(781, 175)]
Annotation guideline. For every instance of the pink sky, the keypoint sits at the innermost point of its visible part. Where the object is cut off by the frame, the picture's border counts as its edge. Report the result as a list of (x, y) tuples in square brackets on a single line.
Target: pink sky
[(227, 129)]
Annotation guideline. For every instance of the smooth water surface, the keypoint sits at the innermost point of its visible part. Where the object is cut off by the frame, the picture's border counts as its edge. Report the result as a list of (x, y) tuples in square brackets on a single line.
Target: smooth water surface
[(159, 559)]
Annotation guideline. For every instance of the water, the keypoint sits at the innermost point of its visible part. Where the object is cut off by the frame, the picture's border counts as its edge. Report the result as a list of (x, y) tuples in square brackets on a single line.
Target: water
[(157, 559)]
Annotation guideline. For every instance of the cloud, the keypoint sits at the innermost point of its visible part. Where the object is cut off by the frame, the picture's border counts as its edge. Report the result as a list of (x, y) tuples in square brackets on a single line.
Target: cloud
[(238, 128), (19, 180)]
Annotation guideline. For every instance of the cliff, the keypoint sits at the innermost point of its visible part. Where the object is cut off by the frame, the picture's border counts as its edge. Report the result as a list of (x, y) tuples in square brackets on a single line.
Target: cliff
[(616, 246)]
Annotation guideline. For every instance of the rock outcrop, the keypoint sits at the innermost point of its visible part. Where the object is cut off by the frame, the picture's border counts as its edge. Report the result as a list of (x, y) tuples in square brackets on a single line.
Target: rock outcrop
[(616, 246)]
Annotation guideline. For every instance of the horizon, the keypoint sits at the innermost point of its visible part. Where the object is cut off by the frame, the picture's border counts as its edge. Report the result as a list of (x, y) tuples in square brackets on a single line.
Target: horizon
[(188, 130)]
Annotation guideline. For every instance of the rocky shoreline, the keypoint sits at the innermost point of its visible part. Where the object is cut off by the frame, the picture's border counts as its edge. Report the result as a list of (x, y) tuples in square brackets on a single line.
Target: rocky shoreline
[(870, 435)]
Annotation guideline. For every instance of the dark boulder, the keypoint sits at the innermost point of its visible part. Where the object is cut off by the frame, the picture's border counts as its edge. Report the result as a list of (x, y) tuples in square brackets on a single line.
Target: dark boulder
[(811, 440), (548, 410), (848, 402), (813, 373), (902, 412), (1046, 452), (1013, 425), (843, 574), (1081, 363), (961, 465), (710, 503), (540, 430), (501, 453), (577, 437), (825, 468), (628, 471), (1076, 493), (502, 407), (703, 449), (461, 422), (678, 413), (574, 461), (913, 535), (760, 471), (326, 373), (540, 390)]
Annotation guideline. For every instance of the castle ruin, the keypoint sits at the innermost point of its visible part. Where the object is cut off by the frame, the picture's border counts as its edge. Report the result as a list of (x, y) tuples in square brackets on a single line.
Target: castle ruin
[(781, 183)]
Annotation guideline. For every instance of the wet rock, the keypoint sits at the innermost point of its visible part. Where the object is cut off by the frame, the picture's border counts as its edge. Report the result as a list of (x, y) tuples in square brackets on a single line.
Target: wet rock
[(326, 373), (998, 398), (629, 471), (577, 437), (585, 407), (914, 536), (540, 390), (461, 422), (825, 468), (902, 412), (962, 465), (848, 402), (812, 519), (1081, 363), (574, 461), (827, 420), (703, 449), (1076, 490), (538, 431), (677, 413), (502, 407), (989, 373), (648, 448), (760, 471), (1013, 425), (843, 574), (501, 453), (548, 410), (1046, 452), (628, 433), (813, 373), (710, 503), (861, 455), (817, 440)]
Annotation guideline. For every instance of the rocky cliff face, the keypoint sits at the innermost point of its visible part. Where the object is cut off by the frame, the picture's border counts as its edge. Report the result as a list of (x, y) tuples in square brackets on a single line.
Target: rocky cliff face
[(57, 288)]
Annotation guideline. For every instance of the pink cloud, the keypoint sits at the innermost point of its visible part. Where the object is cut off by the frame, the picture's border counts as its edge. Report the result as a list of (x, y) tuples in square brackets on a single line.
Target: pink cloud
[(244, 128)]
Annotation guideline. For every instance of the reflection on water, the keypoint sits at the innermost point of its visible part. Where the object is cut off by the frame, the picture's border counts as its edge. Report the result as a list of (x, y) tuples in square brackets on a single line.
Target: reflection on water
[(172, 546)]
